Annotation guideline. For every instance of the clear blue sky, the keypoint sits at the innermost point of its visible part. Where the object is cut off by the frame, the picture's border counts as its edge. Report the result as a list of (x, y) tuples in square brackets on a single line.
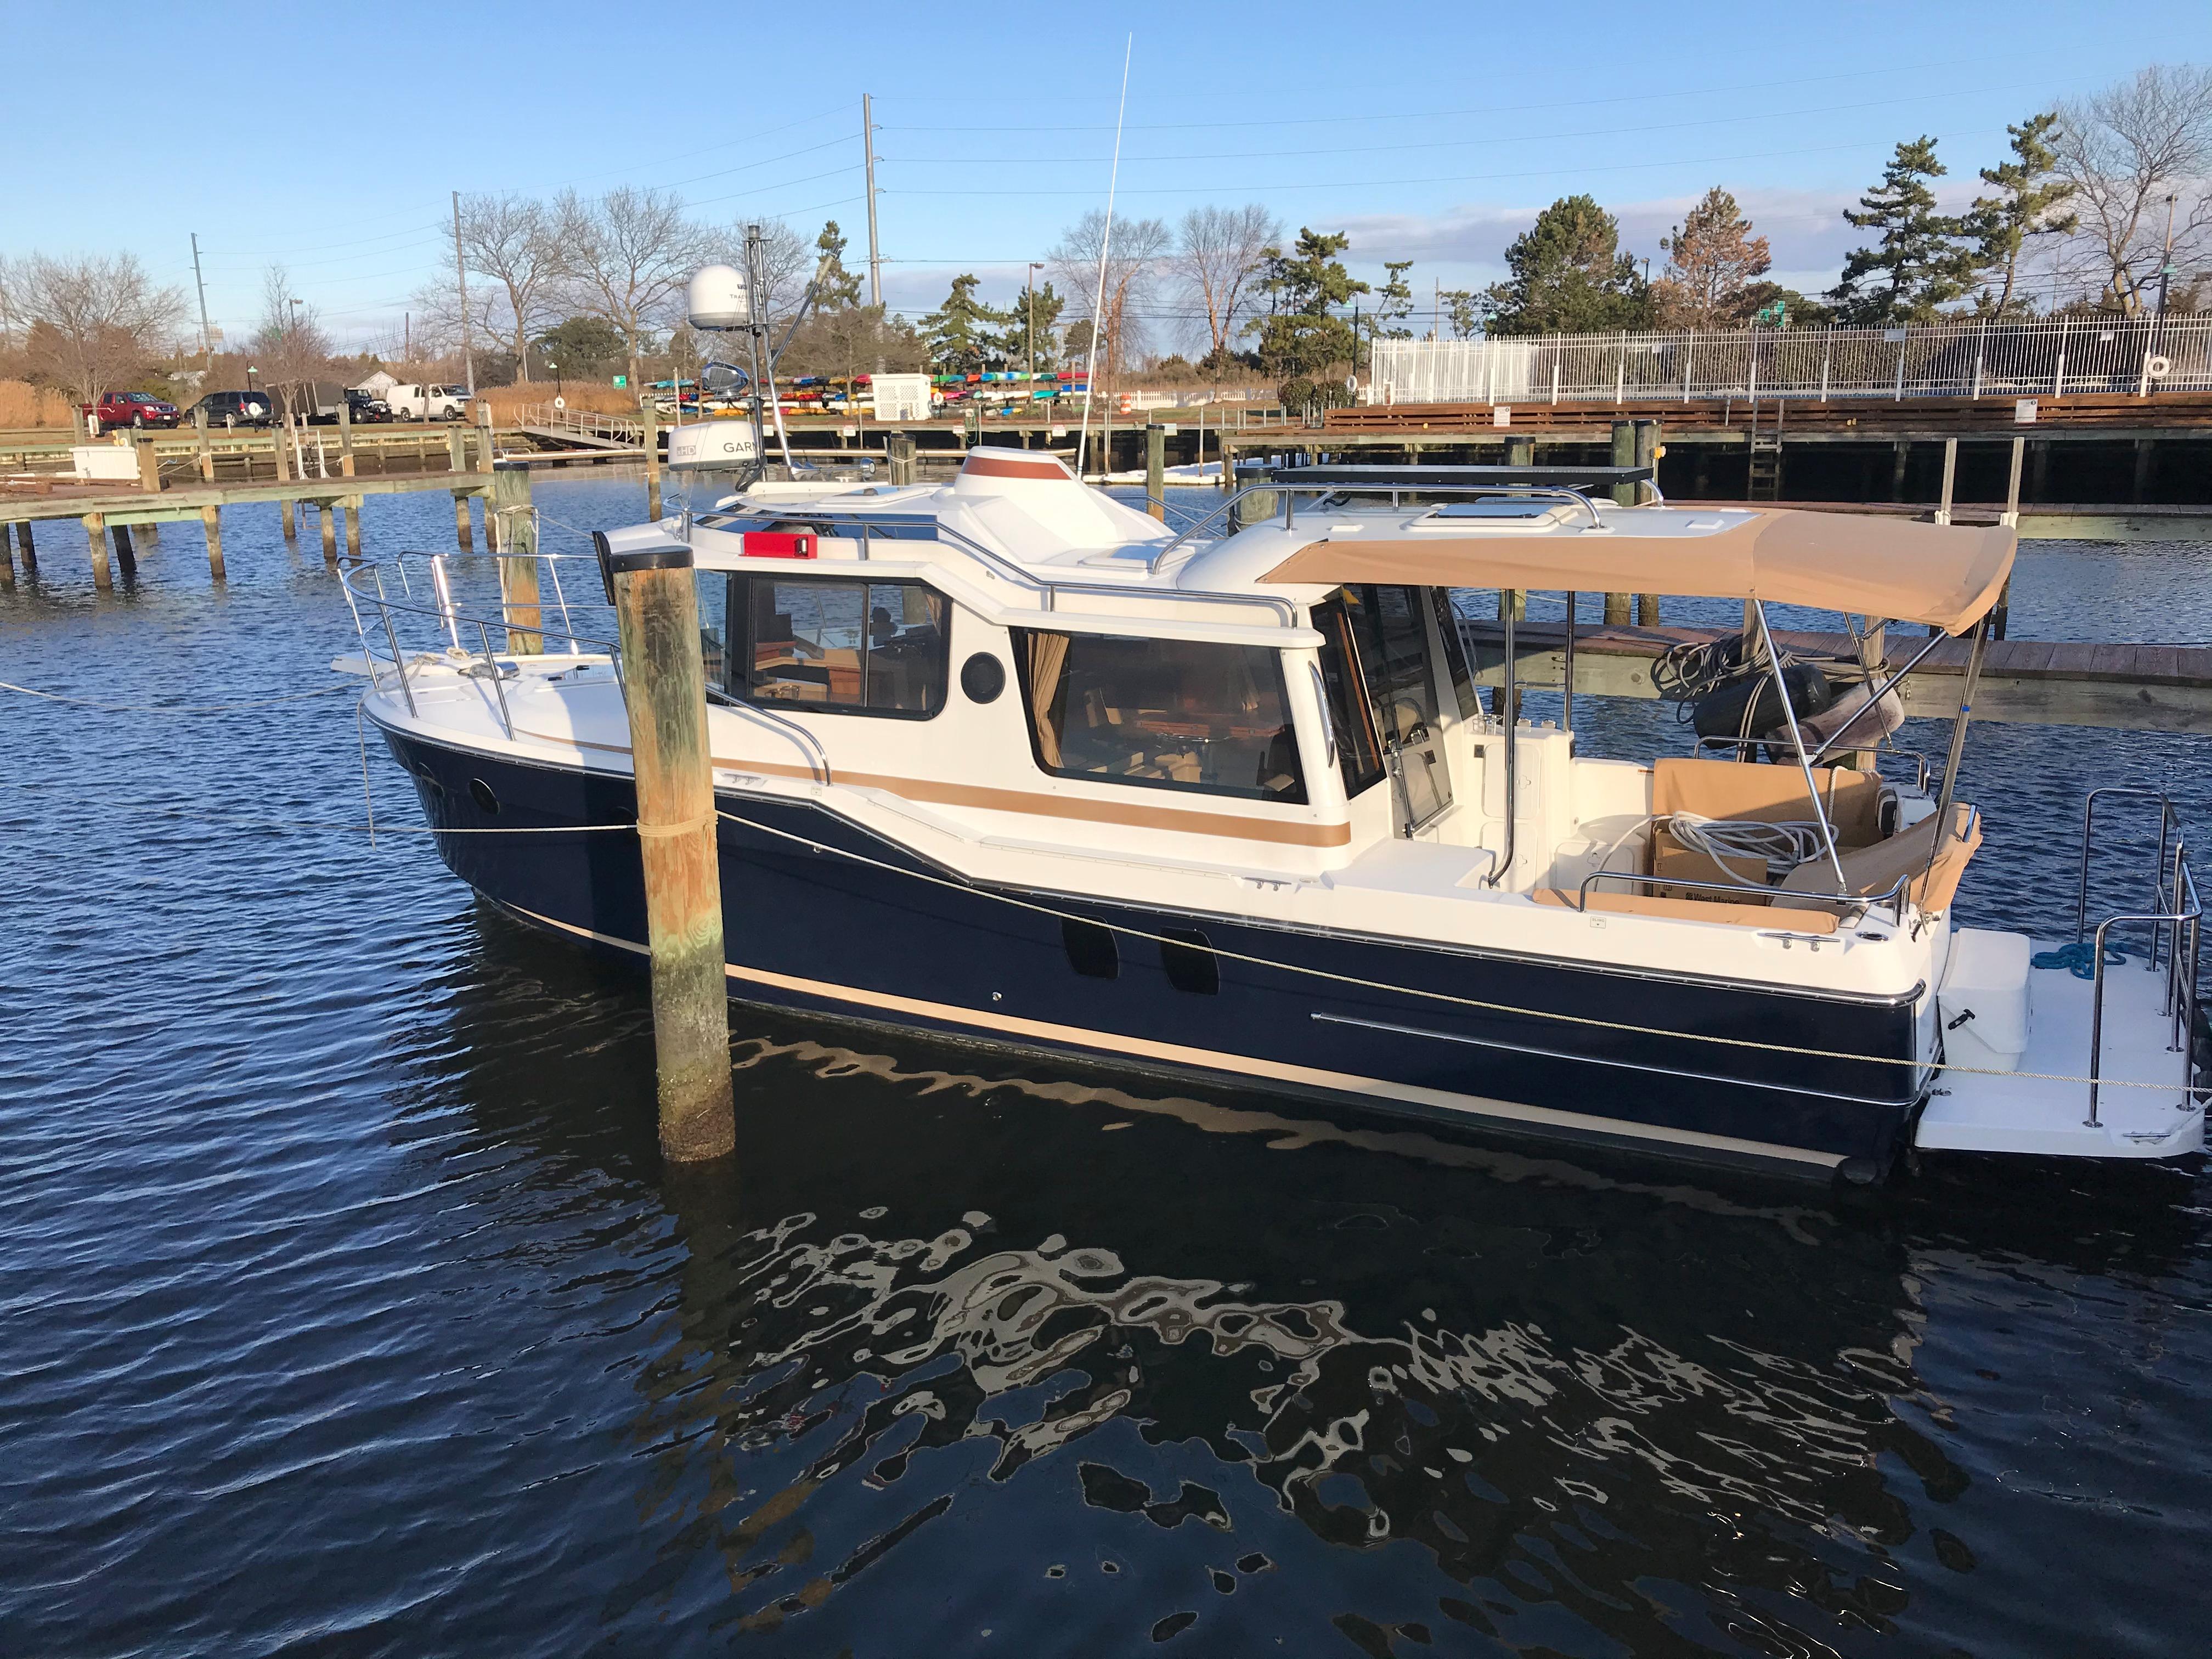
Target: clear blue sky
[(328, 138)]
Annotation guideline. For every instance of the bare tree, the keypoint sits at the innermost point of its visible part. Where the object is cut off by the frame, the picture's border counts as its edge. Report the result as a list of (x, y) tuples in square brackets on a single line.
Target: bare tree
[(93, 323), (787, 259), (1132, 262), (626, 257), (1218, 250), (290, 344), (2134, 153), (510, 240)]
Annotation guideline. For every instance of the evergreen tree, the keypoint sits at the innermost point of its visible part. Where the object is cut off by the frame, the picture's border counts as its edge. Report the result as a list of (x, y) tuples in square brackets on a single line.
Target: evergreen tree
[(1918, 263), (1465, 311), (2025, 204), (1011, 345), (1569, 276), (837, 287), (1394, 303), (964, 336), (1299, 339), (1713, 265)]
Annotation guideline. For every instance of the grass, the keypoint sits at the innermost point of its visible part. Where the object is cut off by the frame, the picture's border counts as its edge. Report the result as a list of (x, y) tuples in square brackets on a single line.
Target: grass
[(22, 404)]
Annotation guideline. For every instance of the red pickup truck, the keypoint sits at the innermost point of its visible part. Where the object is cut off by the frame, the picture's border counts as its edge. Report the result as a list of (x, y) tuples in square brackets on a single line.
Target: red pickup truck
[(140, 409)]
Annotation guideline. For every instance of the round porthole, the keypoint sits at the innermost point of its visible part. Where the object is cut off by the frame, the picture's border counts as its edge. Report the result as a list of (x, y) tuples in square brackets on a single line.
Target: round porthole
[(982, 677), (480, 792)]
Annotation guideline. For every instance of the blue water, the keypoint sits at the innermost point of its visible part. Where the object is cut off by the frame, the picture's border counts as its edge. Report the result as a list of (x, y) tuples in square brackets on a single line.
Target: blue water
[(345, 1307)]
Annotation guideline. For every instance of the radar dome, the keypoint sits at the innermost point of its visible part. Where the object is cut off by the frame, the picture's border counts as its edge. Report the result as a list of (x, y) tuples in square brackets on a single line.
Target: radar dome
[(718, 299)]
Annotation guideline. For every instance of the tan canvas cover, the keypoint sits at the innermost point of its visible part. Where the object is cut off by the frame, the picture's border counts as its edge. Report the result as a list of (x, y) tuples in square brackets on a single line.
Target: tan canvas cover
[(1944, 575)]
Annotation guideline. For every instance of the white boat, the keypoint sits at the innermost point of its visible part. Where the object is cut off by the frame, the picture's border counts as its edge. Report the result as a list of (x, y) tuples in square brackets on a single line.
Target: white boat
[(1004, 759)]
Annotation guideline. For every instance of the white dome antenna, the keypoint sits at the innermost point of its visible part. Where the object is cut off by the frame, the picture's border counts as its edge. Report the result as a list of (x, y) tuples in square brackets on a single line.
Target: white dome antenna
[(718, 298)]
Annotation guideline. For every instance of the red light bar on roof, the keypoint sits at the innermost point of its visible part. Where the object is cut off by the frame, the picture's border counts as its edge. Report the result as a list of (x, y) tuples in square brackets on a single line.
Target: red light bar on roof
[(778, 545)]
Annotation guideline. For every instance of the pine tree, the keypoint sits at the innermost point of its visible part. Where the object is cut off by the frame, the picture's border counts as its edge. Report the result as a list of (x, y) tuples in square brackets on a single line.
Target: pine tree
[(837, 287), (2029, 195), (1011, 344), (1394, 303), (964, 336), (1713, 263), (1569, 275), (1918, 263), (1299, 338)]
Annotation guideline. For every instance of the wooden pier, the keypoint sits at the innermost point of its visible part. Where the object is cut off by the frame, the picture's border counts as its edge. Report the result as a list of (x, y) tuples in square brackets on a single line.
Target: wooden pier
[(2142, 688)]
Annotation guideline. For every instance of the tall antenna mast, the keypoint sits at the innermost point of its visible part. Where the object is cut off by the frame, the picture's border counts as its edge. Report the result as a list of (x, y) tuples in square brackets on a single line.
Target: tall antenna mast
[(1105, 241), (868, 153)]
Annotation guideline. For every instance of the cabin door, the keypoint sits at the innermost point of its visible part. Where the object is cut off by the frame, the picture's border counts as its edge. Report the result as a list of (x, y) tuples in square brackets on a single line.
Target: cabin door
[(1393, 638)]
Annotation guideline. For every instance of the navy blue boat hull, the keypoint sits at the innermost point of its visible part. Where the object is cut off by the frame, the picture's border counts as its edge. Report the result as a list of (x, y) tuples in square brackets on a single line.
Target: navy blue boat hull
[(814, 930)]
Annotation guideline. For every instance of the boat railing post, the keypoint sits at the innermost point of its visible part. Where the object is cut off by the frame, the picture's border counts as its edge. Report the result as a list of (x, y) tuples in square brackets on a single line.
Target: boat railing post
[(1508, 697), (1567, 677), (1950, 790), (1797, 743), (499, 689)]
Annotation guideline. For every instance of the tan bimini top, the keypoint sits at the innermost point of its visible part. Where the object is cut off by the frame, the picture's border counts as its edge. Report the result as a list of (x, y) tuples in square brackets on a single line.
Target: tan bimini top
[(1944, 575)]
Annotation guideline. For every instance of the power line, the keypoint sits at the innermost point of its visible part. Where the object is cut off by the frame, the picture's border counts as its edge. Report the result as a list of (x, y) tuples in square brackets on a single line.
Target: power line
[(1494, 109), (1450, 178)]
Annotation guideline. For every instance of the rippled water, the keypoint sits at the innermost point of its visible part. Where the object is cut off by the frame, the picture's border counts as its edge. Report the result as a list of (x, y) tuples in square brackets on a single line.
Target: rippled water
[(346, 1309)]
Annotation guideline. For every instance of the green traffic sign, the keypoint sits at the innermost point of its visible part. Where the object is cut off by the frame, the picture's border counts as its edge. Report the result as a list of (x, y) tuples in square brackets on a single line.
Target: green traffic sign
[(622, 380)]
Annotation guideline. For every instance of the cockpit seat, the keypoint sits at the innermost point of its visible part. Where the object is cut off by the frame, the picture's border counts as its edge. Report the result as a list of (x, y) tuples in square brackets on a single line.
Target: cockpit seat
[(1752, 794), (1870, 871)]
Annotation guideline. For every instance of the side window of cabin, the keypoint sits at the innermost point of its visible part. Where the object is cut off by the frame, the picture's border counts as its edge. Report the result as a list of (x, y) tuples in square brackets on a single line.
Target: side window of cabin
[(857, 647), (714, 590), (1161, 714), (1447, 629), (1358, 757)]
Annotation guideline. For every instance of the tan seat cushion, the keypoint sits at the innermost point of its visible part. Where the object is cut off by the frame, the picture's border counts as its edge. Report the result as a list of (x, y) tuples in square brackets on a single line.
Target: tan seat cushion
[(1868, 871), (1807, 921)]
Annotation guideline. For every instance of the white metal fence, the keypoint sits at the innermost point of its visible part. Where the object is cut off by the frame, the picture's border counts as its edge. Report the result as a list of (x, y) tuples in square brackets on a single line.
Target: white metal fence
[(2133, 356)]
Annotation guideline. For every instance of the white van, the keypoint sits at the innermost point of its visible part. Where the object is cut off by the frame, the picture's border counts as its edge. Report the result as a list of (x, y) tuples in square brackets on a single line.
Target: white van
[(427, 403)]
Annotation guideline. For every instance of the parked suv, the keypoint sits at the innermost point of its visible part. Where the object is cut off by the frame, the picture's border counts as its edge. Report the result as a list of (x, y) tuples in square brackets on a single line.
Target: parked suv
[(237, 408), (367, 408), (139, 408)]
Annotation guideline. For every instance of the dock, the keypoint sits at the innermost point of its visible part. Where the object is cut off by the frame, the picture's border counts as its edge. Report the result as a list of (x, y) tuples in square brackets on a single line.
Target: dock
[(2140, 688)]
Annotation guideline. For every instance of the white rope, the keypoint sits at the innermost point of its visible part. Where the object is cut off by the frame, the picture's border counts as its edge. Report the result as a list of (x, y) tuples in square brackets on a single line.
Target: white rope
[(1781, 846), (1478, 1003)]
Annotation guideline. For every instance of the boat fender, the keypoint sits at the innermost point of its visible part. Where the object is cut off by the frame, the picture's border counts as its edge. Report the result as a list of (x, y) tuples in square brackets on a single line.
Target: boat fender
[(1748, 707)]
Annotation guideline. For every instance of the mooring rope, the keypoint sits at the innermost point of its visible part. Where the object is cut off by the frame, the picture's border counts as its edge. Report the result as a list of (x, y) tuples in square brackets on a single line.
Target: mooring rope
[(171, 708)]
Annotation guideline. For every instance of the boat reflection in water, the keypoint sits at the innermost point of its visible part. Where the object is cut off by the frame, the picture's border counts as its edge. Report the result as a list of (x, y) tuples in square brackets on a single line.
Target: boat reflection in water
[(965, 1350)]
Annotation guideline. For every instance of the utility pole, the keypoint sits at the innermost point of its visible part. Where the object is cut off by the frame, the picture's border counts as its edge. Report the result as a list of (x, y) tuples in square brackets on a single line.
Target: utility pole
[(461, 275), (868, 151), (2165, 265), (1035, 265), (207, 336)]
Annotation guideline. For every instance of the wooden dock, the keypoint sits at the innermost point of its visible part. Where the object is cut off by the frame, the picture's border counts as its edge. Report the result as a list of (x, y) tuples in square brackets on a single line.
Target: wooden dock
[(2142, 688)]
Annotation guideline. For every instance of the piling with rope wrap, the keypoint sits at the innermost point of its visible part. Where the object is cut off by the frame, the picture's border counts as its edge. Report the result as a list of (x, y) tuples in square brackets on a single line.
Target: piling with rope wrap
[(664, 688)]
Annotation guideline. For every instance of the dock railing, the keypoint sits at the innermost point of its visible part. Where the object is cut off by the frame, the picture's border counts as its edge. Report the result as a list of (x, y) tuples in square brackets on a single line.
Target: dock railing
[(2139, 356)]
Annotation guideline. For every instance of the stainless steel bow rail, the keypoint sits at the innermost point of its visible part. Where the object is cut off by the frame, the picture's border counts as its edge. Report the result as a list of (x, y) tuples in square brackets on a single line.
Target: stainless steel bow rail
[(390, 663), (2175, 916)]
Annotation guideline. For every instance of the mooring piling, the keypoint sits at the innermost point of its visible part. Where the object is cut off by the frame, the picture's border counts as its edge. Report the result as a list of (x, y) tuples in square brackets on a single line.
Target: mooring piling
[(1647, 454), (652, 415), (206, 448), (328, 515), (345, 437), (95, 531), (352, 505), (1156, 471), (513, 530), (26, 547), (664, 683), (211, 523)]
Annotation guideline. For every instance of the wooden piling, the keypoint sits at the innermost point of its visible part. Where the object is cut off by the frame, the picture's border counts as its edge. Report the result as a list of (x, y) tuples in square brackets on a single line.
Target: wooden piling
[(513, 532), (95, 532), (7, 566), (1228, 464), (1156, 471), (278, 434), (345, 437), (127, 557), (1624, 454), (462, 530), (651, 417), (1950, 479), (288, 511), (657, 609), (487, 447), (206, 449), (211, 524), (353, 525), (1647, 454), (149, 468), (457, 450), (26, 547), (328, 513), (1520, 451)]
